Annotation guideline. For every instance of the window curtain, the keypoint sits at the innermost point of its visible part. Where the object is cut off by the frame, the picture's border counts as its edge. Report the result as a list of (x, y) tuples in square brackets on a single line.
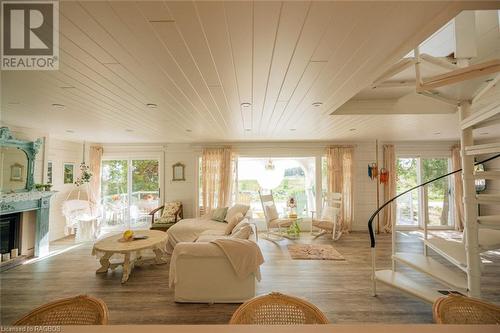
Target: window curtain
[(340, 180), (95, 156), (456, 163), (388, 215), (216, 178)]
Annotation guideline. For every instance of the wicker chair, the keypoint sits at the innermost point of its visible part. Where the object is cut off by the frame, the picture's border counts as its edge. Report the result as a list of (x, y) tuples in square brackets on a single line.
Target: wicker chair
[(277, 309), (456, 309), (79, 310)]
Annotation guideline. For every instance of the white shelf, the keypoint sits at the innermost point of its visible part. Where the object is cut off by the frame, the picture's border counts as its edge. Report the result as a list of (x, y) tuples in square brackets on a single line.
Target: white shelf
[(433, 268), (402, 282)]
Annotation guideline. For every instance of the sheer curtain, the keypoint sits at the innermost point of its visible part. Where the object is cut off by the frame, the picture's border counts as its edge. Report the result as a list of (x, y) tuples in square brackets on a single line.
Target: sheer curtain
[(340, 180), (388, 216), (216, 181), (95, 156), (456, 163)]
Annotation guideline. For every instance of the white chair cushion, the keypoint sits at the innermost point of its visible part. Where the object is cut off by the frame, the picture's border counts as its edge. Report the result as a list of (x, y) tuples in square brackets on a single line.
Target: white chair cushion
[(271, 212), (329, 213)]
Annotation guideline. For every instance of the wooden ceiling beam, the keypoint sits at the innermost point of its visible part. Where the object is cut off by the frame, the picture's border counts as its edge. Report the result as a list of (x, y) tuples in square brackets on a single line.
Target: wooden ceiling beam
[(484, 89), (440, 62), (395, 69)]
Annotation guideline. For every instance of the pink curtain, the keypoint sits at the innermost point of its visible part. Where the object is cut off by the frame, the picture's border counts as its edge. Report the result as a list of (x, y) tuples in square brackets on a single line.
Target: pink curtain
[(95, 156), (340, 175), (456, 163), (388, 215), (216, 173)]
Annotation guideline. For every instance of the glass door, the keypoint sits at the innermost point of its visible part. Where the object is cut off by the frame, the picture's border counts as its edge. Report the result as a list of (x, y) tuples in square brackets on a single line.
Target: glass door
[(437, 194), (130, 190), (407, 206)]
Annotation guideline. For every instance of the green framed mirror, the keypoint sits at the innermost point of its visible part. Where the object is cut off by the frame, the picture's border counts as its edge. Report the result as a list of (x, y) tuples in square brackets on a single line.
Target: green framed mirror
[(17, 158)]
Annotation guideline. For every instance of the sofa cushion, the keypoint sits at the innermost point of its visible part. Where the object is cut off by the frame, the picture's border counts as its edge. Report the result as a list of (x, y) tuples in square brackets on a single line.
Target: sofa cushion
[(243, 233), (235, 209), (240, 225), (231, 223), (219, 214), (188, 230)]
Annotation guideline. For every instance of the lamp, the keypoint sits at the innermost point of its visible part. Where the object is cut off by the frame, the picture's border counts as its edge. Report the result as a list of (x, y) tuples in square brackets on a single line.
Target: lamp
[(271, 177)]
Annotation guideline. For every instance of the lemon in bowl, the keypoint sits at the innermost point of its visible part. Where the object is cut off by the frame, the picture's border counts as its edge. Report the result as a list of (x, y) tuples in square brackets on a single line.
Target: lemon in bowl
[(128, 235)]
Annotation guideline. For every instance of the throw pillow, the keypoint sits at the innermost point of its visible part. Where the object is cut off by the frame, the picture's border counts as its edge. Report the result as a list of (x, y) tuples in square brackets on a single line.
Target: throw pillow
[(232, 222), (219, 214), (170, 209), (237, 208), (243, 233), (240, 225), (271, 212)]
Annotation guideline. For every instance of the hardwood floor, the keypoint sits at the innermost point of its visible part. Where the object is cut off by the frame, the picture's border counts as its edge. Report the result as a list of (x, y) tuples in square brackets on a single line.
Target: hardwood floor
[(341, 289)]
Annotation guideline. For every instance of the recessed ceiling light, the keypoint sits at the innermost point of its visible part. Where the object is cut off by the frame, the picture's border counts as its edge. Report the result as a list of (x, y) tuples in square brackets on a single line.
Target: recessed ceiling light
[(67, 87), (317, 104), (437, 133), (70, 131), (13, 103), (435, 92), (293, 129), (488, 80), (189, 130), (246, 105), (352, 129), (129, 130), (484, 133), (152, 105), (248, 129), (58, 106)]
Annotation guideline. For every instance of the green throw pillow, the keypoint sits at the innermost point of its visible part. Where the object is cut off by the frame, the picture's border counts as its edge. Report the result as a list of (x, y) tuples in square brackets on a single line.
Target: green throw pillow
[(219, 214)]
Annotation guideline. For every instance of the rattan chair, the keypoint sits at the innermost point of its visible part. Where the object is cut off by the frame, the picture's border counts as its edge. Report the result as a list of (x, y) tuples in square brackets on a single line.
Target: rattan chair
[(456, 309), (79, 310), (277, 309)]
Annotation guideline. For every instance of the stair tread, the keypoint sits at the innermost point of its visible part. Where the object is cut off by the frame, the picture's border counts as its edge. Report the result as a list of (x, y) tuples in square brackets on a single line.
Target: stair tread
[(404, 283), (452, 250), (489, 239), (493, 174), (489, 218), (488, 199), (433, 268), (486, 148)]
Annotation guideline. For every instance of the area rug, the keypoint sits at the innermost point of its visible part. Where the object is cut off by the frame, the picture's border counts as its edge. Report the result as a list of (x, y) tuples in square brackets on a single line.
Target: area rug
[(314, 252)]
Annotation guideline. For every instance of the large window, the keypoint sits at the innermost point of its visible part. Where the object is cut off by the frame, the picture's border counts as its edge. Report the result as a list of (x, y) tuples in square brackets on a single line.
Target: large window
[(285, 177), (430, 203)]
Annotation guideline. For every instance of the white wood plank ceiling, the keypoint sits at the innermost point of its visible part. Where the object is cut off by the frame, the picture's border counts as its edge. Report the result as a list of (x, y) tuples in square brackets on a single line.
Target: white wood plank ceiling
[(221, 71)]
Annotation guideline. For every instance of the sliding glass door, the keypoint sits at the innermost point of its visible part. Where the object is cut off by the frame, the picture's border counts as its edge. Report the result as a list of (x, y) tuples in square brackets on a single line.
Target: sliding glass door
[(130, 190), (430, 203)]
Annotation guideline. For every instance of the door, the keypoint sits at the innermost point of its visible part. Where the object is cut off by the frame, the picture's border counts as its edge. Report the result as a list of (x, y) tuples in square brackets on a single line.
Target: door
[(130, 190), (408, 205)]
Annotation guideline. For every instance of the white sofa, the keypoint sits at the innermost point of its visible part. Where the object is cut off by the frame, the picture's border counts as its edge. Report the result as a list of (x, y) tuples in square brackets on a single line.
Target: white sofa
[(205, 275)]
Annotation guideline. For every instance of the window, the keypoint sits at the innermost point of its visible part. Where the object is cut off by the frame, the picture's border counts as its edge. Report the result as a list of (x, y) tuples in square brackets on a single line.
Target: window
[(431, 203), (285, 177)]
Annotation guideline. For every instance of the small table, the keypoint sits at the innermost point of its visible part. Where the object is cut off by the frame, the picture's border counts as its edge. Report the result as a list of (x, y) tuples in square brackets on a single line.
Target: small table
[(131, 250)]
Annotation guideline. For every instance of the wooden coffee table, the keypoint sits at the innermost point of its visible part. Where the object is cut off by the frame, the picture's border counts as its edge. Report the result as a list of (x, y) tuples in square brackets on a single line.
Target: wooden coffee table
[(131, 251)]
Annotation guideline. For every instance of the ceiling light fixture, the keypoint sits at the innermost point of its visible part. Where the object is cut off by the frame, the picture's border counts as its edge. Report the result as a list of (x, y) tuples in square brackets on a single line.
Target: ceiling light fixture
[(189, 130), (352, 129), (13, 103), (293, 129), (129, 130), (67, 87), (484, 133), (248, 129), (246, 105), (437, 133), (70, 131), (152, 105), (317, 104)]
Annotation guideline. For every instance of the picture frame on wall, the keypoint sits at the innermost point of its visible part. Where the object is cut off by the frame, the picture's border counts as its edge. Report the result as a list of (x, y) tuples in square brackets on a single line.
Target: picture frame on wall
[(178, 172), (69, 173)]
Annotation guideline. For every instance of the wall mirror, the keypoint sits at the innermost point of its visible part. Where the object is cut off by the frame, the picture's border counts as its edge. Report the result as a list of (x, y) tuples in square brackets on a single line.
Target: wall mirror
[(178, 172), (17, 161)]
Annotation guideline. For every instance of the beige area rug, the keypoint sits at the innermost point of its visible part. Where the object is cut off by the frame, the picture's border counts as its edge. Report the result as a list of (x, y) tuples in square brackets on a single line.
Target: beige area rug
[(314, 252)]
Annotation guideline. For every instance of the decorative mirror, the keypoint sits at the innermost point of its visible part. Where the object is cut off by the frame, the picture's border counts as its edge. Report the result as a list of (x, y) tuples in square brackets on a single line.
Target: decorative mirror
[(17, 162), (178, 172)]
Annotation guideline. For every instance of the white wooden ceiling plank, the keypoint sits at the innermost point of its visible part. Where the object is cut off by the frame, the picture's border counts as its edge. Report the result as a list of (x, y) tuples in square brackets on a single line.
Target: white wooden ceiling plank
[(152, 59), (213, 20), (179, 52), (154, 10), (292, 19), (266, 18), (102, 12)]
